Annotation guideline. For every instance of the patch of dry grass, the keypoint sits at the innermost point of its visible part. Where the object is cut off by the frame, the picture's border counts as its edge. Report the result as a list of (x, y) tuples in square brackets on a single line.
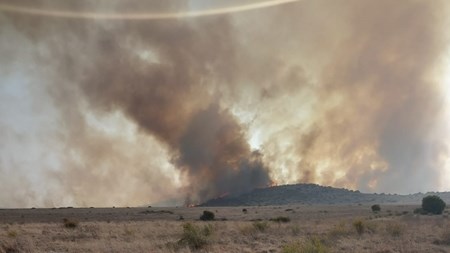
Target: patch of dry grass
[(395, 229), (260, 226), (310, 245), (11, 234), (340, 230), (444, 238)]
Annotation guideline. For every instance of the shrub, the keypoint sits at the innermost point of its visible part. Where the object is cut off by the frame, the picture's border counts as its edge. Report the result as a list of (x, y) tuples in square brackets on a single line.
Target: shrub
[(261, 226), (70, 223), (376, 208), (433, 204), (359, 226), (312, 245), (244, 211), (196, 237), (280, 219), (394, 229), (207, 215)]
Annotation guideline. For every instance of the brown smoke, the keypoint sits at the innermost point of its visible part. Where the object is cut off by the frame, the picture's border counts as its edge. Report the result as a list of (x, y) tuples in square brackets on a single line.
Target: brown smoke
[(170, 96), (370, 103), (341, 93)]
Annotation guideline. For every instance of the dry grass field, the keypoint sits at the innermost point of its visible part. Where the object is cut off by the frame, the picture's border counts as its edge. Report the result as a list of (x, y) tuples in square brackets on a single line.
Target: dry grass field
[(350, 228)]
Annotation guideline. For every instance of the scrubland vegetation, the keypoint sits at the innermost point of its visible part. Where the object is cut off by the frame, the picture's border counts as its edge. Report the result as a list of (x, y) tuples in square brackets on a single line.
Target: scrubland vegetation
[(298, 229)]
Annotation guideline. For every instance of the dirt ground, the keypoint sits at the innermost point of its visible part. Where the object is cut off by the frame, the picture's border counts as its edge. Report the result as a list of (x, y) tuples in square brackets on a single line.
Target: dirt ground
[(337, 228)]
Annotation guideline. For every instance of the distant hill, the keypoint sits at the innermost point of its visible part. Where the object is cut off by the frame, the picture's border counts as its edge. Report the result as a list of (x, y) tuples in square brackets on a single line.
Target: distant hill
[(316, 194)]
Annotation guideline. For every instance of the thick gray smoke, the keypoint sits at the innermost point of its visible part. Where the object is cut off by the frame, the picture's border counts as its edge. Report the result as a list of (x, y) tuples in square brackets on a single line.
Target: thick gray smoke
[(342, 93), (162, 76), (217, 159)]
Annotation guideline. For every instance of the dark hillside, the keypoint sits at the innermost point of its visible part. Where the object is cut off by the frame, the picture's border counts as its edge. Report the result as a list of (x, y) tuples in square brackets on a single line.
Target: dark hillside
[(315, 194)]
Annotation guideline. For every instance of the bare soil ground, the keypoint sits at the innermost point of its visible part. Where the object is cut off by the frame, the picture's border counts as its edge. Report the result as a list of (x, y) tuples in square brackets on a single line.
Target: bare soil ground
[(312, 228)]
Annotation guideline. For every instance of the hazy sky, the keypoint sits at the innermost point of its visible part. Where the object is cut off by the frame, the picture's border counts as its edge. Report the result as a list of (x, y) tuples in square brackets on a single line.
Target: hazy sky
[(101, 112)]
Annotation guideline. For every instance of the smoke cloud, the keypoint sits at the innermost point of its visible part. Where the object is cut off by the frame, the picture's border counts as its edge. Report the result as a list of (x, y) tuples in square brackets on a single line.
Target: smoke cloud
[(100, 112), (375, 103)]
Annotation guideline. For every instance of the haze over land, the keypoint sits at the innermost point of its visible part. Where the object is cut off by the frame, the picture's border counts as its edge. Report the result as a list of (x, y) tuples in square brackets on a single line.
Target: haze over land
[(100, 112), (311, 194)]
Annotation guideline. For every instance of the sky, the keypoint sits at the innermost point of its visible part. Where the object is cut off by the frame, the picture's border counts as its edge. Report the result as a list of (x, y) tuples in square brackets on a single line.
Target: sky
[(125, 103)]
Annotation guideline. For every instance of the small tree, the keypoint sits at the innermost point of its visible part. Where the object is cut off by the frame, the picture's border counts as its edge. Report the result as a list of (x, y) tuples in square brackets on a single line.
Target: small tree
[(376, 208), (433, 204), (207, 215)]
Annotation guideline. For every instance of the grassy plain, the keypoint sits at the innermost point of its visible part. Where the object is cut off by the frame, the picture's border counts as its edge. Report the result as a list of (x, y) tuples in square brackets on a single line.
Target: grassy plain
[(315, 228)]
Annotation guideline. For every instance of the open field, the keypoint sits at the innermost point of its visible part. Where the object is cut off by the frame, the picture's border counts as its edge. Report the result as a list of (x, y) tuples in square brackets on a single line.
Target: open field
[(336, 228)]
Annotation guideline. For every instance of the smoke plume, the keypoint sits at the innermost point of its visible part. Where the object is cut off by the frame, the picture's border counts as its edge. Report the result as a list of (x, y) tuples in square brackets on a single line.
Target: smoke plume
[(101, 112)]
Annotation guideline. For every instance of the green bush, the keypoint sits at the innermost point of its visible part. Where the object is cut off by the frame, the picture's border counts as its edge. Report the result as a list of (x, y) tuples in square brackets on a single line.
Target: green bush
[(207, 215), (376, 208), (312, 245), (196, 237), (433, 204)]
